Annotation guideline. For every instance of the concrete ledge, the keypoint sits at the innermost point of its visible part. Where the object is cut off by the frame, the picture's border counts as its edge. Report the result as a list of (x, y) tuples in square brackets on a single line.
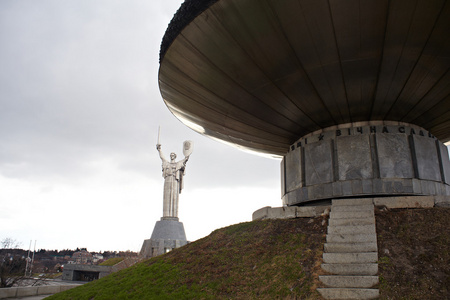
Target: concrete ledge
[(351, 222), (350, 247), (349, 281), (261, 213), (27, 291), (350, 258), (16, 292), (289, 212), (351, 214), (8, 293), (355, 207), (406, 202), (284, 212), (351, 269), (351, 229), (348, 293), (442, 201), (351, 238), (352, 201), (311, 211), (48, 289)]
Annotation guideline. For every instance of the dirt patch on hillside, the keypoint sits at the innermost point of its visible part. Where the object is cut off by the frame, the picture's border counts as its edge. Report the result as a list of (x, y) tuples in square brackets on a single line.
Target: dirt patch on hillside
[(413, 249)]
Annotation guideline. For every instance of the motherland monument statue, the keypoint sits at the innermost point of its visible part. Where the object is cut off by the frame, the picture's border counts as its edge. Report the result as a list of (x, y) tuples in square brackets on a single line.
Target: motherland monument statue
[(173, 173), (168, 233)]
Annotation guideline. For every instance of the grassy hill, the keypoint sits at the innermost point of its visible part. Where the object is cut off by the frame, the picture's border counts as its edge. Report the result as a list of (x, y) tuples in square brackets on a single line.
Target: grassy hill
[(280, 259), (263, 259)]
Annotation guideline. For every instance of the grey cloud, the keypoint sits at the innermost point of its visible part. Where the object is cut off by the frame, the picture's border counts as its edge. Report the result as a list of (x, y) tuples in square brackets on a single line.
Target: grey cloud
[(79, 84)]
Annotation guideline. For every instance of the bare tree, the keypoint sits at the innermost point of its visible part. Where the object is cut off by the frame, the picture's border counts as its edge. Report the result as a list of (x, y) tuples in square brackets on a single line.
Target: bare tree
[(12, 267), (9, 243)]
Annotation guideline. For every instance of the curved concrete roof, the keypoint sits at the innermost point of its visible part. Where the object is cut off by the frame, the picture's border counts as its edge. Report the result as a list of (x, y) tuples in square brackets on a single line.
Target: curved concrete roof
[(262, 73)]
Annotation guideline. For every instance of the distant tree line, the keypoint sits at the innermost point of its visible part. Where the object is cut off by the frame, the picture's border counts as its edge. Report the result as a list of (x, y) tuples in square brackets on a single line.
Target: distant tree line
[(13, 261)]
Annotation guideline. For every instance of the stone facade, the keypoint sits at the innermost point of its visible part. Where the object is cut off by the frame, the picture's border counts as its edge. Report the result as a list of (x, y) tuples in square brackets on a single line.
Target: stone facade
[(365, 159)]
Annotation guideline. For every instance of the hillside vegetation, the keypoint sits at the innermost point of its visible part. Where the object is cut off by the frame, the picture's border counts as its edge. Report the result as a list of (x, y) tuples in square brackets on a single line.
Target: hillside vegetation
[(112, 261), (280, 259), (256, 260)]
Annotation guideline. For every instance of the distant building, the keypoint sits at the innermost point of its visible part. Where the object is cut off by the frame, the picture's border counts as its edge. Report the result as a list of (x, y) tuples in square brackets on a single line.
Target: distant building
[(85, 272), (79, 272), (82, 257), (96, 257)]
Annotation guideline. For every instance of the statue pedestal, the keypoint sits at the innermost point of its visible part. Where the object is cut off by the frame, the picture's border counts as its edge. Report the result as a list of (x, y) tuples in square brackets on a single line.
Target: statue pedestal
[(168, 234)]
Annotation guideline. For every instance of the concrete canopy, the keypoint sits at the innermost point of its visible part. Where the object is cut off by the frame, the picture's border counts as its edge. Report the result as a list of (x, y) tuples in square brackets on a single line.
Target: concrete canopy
[(260, 74)]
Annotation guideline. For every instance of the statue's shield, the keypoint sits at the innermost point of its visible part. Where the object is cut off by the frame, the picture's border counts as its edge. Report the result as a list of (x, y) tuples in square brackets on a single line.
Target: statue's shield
[(188, 147)]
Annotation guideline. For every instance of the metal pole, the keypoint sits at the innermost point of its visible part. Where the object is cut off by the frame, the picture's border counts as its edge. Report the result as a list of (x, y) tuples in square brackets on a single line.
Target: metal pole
[(32, 260), (28, 259)]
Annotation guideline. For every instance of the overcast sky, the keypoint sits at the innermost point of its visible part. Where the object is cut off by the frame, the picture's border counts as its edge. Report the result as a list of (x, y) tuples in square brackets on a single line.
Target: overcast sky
[(79, 114)]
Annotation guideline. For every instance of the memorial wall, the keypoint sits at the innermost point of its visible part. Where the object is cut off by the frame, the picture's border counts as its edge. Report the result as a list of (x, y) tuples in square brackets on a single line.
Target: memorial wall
[(365, 159)]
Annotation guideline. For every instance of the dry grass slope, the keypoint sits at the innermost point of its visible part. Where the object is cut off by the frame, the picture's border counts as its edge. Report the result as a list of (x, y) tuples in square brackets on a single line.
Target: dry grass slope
[(414, 253)]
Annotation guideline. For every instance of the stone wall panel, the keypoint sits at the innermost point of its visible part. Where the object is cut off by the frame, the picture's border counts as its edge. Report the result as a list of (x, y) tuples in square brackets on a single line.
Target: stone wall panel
[(293, 170), (394, 156), (445, 163), (354, 158), (379, 158), (318, 163), (427, 158)]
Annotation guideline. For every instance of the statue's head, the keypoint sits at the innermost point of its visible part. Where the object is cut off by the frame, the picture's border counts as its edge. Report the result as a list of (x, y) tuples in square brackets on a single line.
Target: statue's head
[(173, 156)]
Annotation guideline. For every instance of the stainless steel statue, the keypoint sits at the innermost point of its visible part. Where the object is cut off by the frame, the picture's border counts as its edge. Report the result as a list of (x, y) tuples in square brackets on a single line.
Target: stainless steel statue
[(173, 173)]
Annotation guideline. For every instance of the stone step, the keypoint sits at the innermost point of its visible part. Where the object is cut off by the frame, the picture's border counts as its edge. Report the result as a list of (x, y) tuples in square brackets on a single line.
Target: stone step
[(351, 269), (351, 221), (349, 281), (352, 229), (350, 247), (350, 258), (351, 238), (368, 207), (349, 293), (360, 201), (351, 214)]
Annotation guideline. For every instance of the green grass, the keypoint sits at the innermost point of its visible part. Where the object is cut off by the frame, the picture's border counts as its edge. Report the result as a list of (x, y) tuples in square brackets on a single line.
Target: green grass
[(271, 259), (111, 261), (142, 281)]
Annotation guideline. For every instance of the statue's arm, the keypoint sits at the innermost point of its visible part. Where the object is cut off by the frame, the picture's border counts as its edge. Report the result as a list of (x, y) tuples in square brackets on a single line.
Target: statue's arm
[(161, 155), (182, 163)]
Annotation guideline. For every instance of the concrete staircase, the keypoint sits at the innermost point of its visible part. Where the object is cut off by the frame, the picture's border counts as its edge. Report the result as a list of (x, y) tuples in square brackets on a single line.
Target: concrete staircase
[(350, 251)]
